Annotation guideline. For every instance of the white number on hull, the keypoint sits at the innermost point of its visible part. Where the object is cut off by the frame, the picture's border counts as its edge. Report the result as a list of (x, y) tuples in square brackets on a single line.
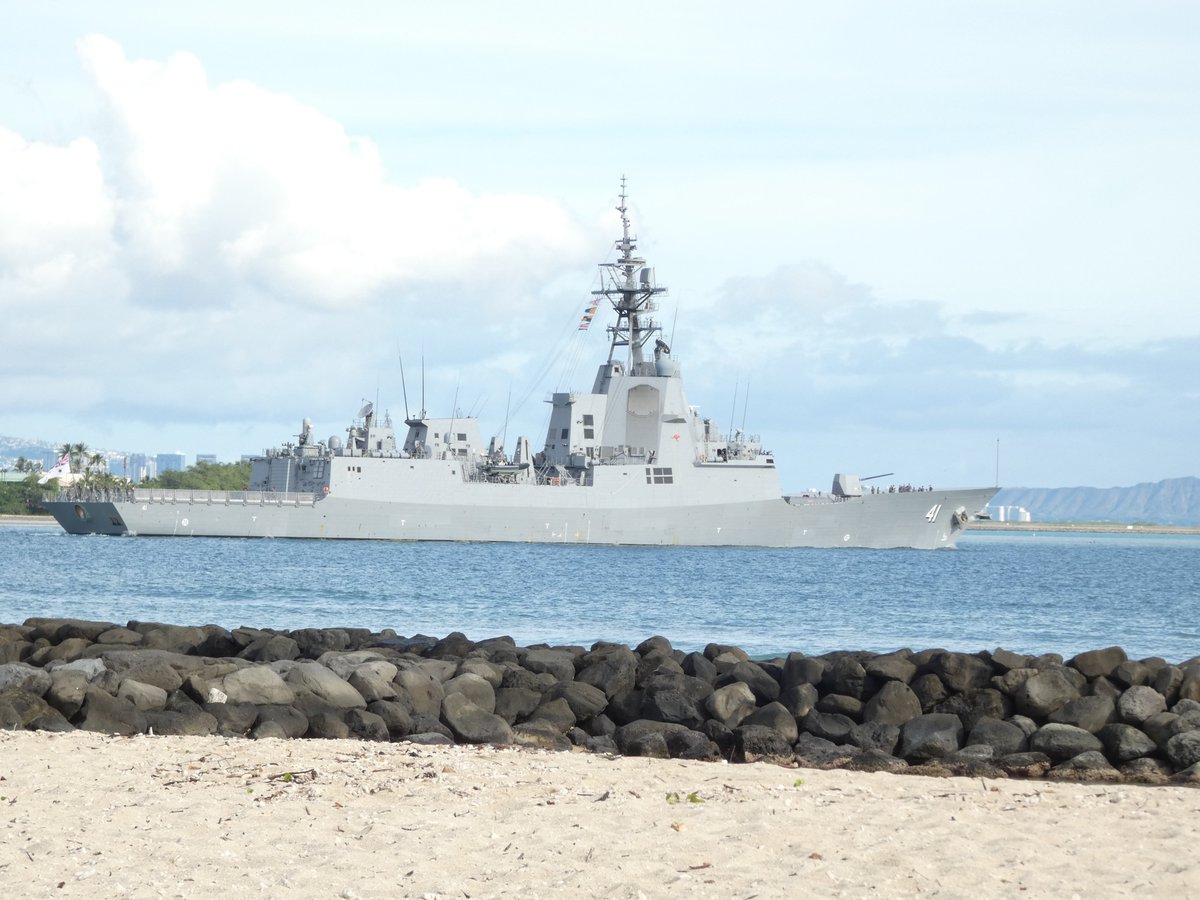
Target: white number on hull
[(932, 515)]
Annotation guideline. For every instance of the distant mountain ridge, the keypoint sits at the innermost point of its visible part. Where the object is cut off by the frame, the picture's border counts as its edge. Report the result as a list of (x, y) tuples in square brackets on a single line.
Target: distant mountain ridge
[(1173, 501)]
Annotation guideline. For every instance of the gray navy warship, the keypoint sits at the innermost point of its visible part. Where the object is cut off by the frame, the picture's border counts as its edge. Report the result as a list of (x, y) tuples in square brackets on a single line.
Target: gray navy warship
[(630, 462)]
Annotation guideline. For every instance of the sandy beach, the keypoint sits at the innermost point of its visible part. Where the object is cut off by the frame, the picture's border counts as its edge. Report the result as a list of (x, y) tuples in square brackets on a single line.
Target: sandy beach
[(90, 815)]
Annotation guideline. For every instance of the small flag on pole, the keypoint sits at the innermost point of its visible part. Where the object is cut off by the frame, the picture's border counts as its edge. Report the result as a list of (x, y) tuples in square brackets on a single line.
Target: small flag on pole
[(587, 316)]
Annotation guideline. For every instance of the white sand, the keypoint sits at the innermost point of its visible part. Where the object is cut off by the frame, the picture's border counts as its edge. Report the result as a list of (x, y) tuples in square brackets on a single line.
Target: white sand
[(87, 815)]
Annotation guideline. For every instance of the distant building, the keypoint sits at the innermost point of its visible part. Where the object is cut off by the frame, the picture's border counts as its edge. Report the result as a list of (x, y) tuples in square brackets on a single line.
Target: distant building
[(137, 467), (247, 457), (210, 458), (170, 462), (1012, 514)]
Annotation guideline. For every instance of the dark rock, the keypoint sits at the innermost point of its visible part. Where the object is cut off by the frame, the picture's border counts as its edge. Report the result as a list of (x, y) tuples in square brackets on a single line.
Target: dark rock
[(1145, 770), (105, 713), (170, 721), (1183, 750), (1138, 703), (559, 663), (602, 743), (692, 745), (420, 691), (876, 736), (21, 707), (124, 637), (395, 717), (430, 739), (696, 689), (1004, 737), (721, 736), (374, 681), (763, 686), (145, 697), (1043, 693), (842, 705), (424, 723), (325, 684), (1123, 743), (290, 721), (845, 676), (598, 725), (819, 753), (961, 672), (52, 721), (656, 643), (1102, 687), (731, 703), (1089, 713), (929, 690), (24, 677), (234, 719), (712, 651), (774, 716), (475, 688), (367, 725), (1098, 662), (491, 672), (873, 760), (625, 708), (514, 704), (1089, 766), (646, 738), (67, 691), (1131, 673), (829, 726), (614, 671), (455, 645), (1062, 742), (799, 669), (930, 736), (1029, 764), (554, 714), (699, 666), (757, 743), (1005, 660), (541, 735), (258, 685), (1189, 686), (473, 725), (271, 648), (894, 704), (1167, 681), (799, 699), (70, 649), (892, 667), (671, 706), (1161, 727)]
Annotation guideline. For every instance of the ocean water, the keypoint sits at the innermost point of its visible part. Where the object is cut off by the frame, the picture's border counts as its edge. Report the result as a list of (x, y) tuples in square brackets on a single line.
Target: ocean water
[(1030, 593)]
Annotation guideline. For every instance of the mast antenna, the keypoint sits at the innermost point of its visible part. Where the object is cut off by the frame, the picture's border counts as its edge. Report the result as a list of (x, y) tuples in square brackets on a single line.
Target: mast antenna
[(745, 403), (403, 386)]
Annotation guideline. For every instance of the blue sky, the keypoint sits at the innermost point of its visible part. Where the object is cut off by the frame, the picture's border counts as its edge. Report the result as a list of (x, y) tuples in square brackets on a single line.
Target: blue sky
[(907, 230)]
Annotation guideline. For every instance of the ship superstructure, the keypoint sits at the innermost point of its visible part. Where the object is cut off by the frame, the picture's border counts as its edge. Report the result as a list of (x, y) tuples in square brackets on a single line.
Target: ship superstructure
[(630, 462)]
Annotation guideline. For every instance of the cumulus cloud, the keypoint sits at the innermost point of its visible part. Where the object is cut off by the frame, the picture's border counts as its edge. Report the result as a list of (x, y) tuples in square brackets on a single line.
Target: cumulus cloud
[(225, 243)]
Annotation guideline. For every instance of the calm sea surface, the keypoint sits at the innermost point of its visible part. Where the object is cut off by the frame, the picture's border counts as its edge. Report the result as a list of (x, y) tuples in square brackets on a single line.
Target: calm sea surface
[(1030, 593)]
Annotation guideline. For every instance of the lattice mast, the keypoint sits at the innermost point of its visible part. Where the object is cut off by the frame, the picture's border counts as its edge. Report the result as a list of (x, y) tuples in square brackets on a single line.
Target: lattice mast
[(628, 284)]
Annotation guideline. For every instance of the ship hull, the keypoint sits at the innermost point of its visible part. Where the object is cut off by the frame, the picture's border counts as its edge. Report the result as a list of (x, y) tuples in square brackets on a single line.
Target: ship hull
[(921, 520)]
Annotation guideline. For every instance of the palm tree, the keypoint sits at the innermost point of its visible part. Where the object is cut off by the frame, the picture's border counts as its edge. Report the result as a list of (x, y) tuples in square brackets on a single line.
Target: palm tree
[(78, 455), (97, 461)]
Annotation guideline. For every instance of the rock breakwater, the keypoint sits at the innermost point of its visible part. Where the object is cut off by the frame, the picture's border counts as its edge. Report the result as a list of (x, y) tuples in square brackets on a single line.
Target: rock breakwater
[(1097, 717)]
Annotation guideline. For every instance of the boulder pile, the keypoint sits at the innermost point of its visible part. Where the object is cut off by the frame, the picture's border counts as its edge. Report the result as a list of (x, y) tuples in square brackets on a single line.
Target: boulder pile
[(1099, 716)]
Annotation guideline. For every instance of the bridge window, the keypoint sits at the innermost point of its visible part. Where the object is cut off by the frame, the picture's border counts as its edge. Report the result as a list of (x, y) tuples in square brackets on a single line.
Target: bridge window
[(589, 420), (657, 475)]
